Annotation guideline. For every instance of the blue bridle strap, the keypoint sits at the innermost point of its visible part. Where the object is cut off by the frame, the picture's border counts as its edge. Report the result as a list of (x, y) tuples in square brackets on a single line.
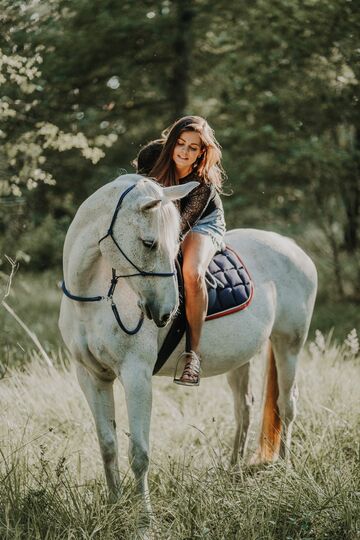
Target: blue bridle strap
[(115, 278), (122, 197), (80, 298), (110, 233)]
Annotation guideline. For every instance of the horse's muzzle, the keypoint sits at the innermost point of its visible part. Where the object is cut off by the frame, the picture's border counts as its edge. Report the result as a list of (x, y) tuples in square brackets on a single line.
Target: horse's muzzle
[(160, 319), (164, 320)]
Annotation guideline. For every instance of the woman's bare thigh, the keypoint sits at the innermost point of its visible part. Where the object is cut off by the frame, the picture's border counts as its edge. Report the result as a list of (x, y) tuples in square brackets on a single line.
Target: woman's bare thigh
[(198, 250)]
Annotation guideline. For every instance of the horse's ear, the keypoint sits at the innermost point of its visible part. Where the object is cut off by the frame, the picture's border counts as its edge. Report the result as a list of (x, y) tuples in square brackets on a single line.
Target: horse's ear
[(149, 203), (178, 192)]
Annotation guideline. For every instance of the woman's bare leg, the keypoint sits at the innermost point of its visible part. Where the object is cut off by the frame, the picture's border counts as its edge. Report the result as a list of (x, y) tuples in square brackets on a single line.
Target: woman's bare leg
[(198, 250)]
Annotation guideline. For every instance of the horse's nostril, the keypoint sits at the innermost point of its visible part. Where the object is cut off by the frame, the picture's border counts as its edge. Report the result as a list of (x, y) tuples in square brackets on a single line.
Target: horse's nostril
[(165, 318)]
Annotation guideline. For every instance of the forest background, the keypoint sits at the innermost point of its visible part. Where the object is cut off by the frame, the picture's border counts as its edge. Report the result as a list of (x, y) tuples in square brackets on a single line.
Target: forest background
[(85, 84)]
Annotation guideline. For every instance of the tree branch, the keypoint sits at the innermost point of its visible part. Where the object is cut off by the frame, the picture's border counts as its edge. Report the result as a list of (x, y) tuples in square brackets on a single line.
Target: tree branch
[(32, 335)]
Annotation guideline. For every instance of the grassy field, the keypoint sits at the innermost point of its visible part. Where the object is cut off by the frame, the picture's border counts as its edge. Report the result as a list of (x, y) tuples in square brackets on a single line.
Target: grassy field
[(51, 480)]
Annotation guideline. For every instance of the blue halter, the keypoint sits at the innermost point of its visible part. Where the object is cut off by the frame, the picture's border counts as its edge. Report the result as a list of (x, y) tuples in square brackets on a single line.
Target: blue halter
[(115, 278)]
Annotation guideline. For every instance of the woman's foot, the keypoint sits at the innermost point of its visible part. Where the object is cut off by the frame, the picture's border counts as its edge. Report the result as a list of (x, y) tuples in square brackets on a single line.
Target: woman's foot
[(191, 373)]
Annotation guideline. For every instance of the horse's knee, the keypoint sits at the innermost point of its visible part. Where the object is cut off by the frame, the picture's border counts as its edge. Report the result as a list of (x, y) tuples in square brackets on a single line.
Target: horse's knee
[(249, 401), (108, 448), (139, 459), (288, 393), (243, 411), (287, 408), (247, 409)]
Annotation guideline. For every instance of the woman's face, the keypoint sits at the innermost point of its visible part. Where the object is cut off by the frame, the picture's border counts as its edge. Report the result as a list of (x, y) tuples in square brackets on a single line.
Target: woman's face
[(186, 151)]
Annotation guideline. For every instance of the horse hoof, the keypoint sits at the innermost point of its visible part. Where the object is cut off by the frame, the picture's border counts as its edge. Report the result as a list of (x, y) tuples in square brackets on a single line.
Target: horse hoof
[(114, 497), (258, 460), (146, 532)]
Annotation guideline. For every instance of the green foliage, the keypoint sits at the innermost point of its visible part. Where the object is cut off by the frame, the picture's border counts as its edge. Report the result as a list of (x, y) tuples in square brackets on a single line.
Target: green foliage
[(36, 301), (43, 243), (279, 81), (24, 121), (39, 244)]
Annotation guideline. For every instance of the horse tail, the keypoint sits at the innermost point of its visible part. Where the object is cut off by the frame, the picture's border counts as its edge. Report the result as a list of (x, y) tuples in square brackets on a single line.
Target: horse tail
[(270, 434)]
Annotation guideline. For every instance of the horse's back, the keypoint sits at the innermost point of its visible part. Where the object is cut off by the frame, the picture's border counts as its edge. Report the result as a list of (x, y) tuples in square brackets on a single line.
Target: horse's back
[(267, 253), (271, 257)]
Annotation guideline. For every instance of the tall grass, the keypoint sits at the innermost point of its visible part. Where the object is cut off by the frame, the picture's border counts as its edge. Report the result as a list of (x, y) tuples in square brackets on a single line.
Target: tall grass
[(51, 480), (52, 485)]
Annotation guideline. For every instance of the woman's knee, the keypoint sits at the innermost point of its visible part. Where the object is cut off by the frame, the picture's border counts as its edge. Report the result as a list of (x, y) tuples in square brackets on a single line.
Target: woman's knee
[(194, 276)]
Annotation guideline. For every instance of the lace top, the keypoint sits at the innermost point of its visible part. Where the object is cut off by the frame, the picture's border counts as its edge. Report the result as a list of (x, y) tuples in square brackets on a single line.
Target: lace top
[(200, 202)]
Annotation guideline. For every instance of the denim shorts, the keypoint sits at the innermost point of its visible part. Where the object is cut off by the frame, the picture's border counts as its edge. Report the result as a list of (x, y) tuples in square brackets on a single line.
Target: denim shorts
[(214, 226)]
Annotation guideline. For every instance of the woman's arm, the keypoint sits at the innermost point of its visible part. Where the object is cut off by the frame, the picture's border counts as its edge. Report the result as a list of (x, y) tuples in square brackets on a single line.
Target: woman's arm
[(192, 206)]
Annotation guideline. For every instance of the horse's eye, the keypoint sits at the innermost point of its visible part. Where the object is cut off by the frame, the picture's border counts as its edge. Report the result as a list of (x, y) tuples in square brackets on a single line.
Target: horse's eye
[(151, 244)]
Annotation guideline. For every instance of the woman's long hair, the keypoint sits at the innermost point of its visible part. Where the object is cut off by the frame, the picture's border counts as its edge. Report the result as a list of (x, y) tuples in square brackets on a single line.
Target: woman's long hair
[(207, 167)]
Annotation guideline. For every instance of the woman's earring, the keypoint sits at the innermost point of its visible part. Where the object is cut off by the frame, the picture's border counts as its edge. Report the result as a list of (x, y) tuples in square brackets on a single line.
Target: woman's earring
[(198, 161)]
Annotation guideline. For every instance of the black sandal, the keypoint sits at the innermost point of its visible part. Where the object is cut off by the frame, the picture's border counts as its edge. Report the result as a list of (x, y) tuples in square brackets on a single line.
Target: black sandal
[(191, 373)]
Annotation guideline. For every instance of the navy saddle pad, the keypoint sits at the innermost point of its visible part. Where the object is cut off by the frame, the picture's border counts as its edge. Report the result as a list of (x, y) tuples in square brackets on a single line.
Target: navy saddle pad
[(230, 289), (229, 285)]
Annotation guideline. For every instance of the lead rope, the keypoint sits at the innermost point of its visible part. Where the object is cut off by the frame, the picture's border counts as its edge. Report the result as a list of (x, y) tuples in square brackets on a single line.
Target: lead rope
[(109, 296), (115, 311)]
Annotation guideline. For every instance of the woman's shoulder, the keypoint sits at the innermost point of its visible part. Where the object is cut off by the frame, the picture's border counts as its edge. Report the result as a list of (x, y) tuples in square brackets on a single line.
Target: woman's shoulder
[(204, 188), (148, 155), (208, 188), (194, 176)]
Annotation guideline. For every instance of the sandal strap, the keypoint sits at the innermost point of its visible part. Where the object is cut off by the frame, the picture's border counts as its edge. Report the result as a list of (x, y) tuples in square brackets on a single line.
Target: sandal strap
[(191, 371), (192, 365)]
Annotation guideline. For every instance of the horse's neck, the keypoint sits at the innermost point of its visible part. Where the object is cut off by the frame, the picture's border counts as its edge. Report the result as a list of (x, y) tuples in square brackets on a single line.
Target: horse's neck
[(83, 262), (86, 271)]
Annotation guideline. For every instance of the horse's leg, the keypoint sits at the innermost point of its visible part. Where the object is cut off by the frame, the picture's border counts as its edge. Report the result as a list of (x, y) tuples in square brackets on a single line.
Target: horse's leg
[(286, 358), (239, 382), (136, 380), (100, 397)]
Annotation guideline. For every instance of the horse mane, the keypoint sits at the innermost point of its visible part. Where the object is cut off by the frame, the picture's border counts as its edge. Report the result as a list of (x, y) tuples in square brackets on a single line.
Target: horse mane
[(167, 213)]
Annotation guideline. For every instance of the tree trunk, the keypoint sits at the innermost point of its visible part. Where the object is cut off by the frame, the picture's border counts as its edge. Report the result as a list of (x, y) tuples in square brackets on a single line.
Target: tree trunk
[(351, 201), (182, 47), (326, 220), (351, 197)]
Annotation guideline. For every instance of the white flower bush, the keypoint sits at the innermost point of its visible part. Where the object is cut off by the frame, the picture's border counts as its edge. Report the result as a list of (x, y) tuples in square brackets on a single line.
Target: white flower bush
[(329, 349), (22, 151)]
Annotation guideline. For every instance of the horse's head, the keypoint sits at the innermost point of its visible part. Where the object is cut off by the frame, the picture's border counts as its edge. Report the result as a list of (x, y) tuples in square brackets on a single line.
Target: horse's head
[(145, 242)]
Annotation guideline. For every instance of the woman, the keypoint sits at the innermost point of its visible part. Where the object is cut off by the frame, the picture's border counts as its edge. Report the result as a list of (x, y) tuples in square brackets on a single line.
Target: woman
[(189, 151)]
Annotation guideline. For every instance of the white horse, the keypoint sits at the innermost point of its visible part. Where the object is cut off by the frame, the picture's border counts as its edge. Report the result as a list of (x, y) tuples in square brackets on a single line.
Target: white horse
[(141, 245)]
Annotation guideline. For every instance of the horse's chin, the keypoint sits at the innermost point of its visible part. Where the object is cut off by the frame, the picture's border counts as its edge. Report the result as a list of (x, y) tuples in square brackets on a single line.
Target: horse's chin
[(161, 324)]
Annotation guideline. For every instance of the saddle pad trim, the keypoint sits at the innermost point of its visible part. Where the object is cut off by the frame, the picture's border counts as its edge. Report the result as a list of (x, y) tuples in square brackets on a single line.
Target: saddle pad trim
[(242, 306)]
